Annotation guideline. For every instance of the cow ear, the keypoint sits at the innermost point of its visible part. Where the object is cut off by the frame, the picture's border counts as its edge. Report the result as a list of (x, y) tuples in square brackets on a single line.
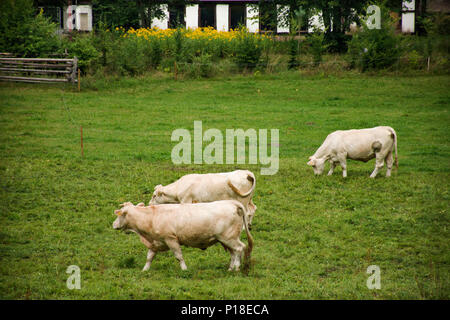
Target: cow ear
[(118, 212), (311, 162), (158, 186)]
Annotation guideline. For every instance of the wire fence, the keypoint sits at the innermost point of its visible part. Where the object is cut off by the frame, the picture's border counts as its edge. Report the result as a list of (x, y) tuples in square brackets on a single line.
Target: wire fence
[(374, 64)]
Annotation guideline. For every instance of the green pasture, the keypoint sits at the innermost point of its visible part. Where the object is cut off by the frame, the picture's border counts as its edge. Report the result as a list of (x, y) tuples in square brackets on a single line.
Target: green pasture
[(314, 236)]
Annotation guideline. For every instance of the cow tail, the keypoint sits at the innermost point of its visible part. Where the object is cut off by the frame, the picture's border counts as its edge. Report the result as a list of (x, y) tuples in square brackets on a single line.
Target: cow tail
[(395, 146), (251, 178), (249, 248)]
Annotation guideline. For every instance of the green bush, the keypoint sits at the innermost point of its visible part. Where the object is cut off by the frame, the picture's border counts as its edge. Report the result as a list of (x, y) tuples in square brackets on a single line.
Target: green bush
[(415, 60), (201, 67), (155, 53), (105, 42), (435, 24), (82, 46), (248, 50), (129, 56), (24, 33), (293, 54), (442, 23), (316, 46), (372, 49)]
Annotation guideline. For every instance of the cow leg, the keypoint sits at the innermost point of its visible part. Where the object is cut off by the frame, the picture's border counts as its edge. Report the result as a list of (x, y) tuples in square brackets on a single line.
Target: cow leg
[(176, 249), (233, 260), (237, 256), (379, 163), (332, 166), (389, 162), (150, 255), (236, 248), (343, 163)]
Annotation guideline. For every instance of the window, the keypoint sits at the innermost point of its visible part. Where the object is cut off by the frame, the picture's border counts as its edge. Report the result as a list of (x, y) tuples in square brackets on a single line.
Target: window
[(237, 16), (268, 16), (84, 21), (176, 16), (54, 13), (207, 15)]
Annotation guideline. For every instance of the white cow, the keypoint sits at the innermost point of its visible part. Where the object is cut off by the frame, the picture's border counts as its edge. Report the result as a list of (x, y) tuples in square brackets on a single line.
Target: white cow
[(200, 225), (193, 188), (362, 145)]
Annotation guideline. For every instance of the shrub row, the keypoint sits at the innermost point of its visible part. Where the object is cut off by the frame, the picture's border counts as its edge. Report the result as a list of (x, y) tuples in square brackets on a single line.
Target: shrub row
[(204, 52)]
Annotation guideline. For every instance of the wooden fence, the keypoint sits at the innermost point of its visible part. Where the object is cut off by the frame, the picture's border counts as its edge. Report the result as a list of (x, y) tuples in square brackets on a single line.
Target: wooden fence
[(37, 70)]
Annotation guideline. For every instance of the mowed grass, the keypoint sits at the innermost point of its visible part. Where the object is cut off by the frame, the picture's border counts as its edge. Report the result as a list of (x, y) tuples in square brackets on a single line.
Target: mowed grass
[(314, 236)]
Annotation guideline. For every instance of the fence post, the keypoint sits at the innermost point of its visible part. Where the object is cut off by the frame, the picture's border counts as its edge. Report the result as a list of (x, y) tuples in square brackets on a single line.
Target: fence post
[(175, 71), (79, 80), (73, 76), (81, 141)]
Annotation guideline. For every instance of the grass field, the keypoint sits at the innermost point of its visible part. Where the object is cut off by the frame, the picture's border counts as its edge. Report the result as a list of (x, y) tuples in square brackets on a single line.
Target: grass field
[(314, 236)]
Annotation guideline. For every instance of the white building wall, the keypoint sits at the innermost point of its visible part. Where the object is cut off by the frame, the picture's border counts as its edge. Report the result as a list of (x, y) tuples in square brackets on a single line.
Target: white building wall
[(408, 22), (85, 10), (222, 11), (82, 15), (252, 22), (162, 23), (282, 26), (192, 16), (408, 16)]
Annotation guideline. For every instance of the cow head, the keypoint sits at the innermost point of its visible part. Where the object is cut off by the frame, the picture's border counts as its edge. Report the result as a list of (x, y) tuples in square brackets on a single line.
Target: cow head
[(318, 164), (159, 196), (121, 221)]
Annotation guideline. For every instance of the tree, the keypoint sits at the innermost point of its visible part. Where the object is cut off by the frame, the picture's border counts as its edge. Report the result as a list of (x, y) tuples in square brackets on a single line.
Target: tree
[(24, 33), (337, 16), (130, 13), (112, 13)]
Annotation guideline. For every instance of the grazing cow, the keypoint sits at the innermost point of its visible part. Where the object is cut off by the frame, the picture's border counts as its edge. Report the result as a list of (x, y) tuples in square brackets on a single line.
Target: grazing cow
[(193, 188), (199, 225), (362, 145)]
